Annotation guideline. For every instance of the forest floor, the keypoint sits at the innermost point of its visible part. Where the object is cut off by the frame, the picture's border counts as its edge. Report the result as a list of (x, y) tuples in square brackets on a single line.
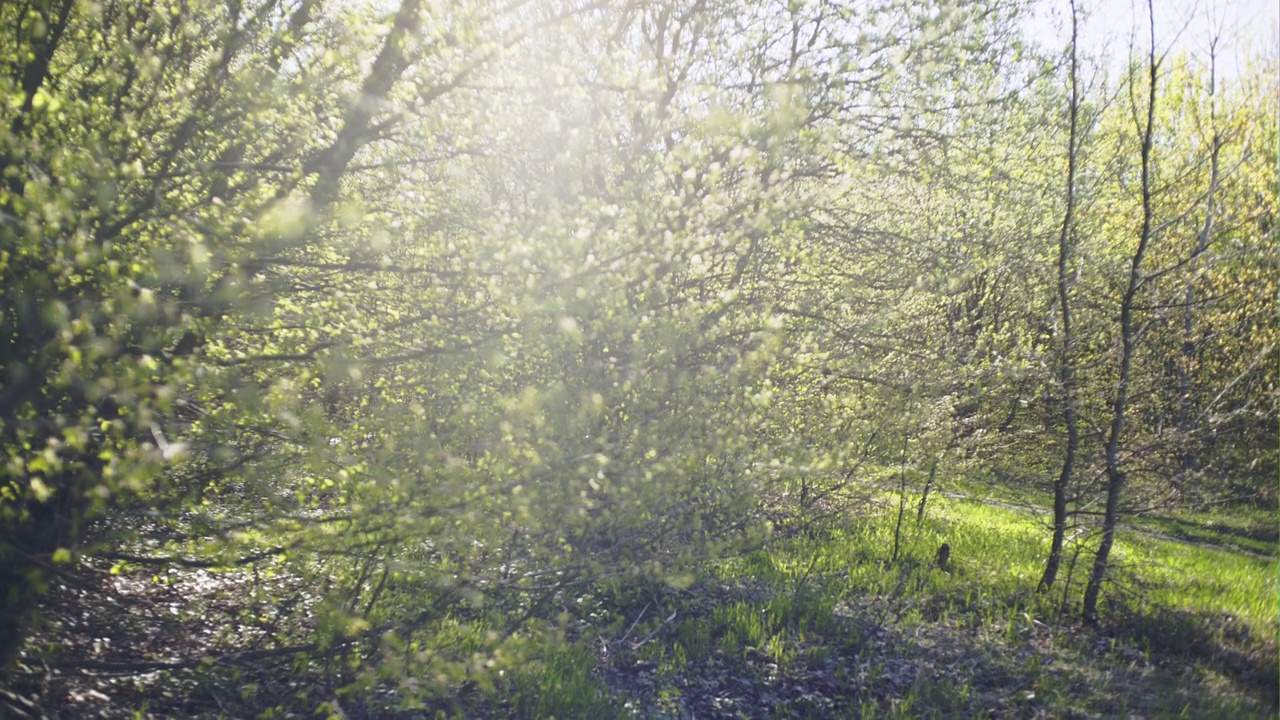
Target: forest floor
[(821, 622), (826, 627)]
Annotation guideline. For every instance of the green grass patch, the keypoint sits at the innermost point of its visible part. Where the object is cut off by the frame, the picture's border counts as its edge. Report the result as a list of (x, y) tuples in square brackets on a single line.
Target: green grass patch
[(556, 682), (1245, 532), (1190, 628)]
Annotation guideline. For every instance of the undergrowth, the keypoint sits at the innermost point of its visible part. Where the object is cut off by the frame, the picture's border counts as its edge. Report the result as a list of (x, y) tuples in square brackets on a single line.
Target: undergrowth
[(823, 623)]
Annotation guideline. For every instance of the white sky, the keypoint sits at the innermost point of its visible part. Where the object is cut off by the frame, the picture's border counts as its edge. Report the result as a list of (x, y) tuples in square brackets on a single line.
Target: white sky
[(1246, 27)]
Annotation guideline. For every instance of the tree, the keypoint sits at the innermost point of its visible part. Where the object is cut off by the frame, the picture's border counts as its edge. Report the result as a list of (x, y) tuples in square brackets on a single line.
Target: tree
[(156, 161), (1066, 363), (1128, 337)]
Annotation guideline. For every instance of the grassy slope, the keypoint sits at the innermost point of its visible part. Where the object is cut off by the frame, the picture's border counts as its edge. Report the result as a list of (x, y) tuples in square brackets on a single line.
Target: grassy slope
[(826, 627)]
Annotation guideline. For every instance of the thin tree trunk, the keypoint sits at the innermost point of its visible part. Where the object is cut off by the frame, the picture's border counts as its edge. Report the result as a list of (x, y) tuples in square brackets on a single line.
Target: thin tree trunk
[(1065, 365), (924, 496), (902, 498), (1115, 473), (1071, 573)]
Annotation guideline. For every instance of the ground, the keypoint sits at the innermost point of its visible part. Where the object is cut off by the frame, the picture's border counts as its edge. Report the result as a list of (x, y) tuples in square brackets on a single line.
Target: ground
[(818, 622)]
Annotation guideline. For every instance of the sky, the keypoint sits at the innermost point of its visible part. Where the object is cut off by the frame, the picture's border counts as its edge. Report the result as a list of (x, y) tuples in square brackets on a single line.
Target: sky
[(1245, 26)]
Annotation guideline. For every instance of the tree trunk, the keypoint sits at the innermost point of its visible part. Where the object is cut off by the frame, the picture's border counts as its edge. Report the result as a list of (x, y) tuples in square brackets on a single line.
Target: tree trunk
[(902, 498), (1115, 473), (1065, 366), (924, 496)]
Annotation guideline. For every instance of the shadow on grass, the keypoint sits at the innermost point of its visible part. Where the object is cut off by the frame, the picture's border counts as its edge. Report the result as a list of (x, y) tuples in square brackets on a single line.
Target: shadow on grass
[(761, 649), (1222, 641), (1255, 540)]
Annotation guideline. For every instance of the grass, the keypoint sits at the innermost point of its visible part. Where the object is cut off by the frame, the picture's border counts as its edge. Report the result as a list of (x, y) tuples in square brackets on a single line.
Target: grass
[(1246, 529), (558, 683), (821, 621), (827, 626)]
